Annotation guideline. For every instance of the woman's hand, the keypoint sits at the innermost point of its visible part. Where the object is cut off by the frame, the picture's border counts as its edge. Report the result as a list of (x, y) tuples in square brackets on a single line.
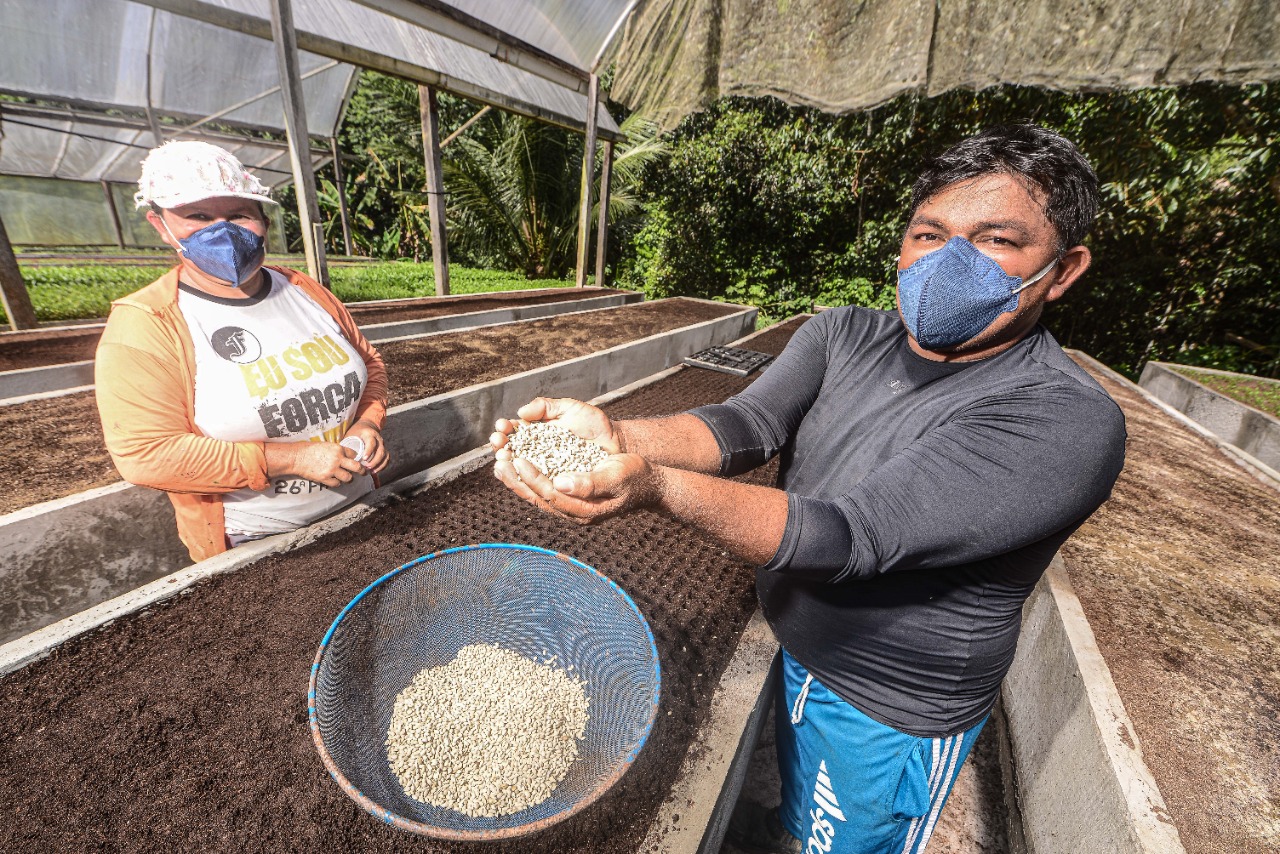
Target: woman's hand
[(581, 419), (375, 457), (327, 463)]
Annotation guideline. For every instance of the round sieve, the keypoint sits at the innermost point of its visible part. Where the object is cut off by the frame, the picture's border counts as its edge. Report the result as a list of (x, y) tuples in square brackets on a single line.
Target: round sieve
[(533, 601)]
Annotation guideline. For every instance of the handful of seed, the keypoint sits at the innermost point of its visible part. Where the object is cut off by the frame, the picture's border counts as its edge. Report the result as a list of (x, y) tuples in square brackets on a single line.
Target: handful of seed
[(489, 734), (553, 449)]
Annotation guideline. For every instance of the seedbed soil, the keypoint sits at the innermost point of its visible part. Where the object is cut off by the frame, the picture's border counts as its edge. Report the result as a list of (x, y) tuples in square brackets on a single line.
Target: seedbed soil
[(184, 727), (54, 447), (37, 347), (1179, 575)]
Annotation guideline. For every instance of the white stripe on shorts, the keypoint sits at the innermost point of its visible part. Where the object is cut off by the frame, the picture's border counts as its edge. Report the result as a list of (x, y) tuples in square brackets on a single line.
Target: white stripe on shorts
[(941, 752), (797, 710), (939, 799)]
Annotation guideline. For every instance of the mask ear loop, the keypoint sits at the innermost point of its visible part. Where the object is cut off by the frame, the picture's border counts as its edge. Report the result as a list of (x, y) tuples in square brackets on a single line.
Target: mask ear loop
[(1038, 276), (171, 234)]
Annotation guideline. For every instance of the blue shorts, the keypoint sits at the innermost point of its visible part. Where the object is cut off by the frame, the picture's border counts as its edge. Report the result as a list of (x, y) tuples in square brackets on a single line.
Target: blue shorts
[(852, 785)]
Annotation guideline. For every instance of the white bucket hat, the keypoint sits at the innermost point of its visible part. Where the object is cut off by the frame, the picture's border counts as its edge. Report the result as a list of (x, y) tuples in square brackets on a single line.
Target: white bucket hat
[(186, 171)]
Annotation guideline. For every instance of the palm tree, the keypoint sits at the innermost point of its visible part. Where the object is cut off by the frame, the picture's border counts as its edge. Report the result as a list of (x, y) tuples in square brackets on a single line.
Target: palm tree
[(513, 192)]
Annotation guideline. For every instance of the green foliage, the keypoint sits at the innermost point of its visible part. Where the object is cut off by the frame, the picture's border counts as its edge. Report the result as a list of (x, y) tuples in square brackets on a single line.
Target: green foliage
[(1185, 246), (512, 184), (70, 293), (409, 279), (758, 203), (76, 292), (513, 195), (785, 207), (384, 174)]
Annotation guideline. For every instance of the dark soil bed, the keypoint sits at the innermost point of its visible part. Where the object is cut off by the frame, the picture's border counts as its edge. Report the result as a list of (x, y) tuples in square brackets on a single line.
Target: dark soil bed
[(367, 314), (1179, 574), (54, 447), (184, 728), (36, 348)]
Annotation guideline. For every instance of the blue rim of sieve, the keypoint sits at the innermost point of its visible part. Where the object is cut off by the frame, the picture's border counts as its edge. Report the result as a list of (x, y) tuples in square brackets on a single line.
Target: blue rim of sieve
[(387, 816)]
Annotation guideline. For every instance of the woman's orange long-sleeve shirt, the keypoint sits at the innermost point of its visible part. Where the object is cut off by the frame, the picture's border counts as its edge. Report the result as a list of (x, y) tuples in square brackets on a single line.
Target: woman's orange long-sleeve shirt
[(144, 373)]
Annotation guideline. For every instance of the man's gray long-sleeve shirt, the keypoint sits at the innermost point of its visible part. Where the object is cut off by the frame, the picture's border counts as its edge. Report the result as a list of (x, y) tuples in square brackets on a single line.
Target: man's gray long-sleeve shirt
[(925, 500)]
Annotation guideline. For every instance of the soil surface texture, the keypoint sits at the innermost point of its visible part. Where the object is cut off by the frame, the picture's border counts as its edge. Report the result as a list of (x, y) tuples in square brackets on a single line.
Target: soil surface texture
[(184, 727), (54, 447), (36, 348), (367, 314), (1179, 575), (40, 347)]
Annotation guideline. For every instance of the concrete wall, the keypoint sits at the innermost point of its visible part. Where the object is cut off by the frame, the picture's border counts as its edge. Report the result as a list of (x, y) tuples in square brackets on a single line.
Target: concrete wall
[(695, 814), (29, 381), (63, 556), (75, 376), (1083, 787), (1256, 433), (18, 653)]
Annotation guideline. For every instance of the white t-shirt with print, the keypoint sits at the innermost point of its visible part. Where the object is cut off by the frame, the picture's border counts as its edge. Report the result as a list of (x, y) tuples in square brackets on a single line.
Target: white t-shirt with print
[(274, 368)]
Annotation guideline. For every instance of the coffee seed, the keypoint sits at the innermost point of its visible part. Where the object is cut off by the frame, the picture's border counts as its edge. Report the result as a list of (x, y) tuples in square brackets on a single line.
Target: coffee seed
[(553, 449), (490, 733)]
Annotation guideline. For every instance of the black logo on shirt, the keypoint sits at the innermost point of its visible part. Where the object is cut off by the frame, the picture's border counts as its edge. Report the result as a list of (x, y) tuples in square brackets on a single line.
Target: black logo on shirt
[(236, 345), (310, 408)]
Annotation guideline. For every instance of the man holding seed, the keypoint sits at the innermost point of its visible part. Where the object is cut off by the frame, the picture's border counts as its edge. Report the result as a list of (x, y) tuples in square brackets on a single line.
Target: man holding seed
[(933, 460)]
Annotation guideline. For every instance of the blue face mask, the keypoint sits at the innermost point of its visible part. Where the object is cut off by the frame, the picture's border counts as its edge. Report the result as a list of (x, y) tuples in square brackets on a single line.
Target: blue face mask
[(953, 293), (224, 250)]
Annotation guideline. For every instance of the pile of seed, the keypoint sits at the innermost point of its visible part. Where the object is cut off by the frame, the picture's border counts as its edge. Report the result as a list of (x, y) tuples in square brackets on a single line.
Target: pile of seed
[(491, 733), (553, 449)]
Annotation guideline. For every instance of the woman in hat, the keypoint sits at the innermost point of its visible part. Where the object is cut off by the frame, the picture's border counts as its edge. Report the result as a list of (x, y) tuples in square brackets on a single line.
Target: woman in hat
[(244, 391)]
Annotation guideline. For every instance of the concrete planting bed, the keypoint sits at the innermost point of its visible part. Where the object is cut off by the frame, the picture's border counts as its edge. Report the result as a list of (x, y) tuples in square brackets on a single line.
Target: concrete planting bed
[(1141, 709), (1177, 575), (1253, 432), (43, 362), (66, 554), (182, 726)]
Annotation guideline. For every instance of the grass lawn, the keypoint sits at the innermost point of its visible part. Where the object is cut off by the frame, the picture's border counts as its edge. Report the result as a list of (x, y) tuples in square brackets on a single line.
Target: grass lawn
[(84, 291), (1261, 394)]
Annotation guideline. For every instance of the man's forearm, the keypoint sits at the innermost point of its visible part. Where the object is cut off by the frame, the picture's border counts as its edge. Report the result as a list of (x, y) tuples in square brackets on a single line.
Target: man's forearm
[(680, 441), (749, 520)]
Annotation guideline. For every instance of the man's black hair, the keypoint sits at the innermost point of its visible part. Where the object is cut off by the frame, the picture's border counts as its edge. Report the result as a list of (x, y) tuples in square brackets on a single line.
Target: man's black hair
[(1047, 161)]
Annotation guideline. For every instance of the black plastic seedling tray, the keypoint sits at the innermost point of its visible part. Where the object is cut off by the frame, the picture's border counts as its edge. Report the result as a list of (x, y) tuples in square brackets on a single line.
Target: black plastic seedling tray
[(730, 360)]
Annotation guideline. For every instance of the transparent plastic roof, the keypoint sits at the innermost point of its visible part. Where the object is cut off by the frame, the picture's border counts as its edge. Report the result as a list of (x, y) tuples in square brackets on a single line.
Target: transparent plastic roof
[(122, 54), (195, 64), (45, 146), (575, 31)]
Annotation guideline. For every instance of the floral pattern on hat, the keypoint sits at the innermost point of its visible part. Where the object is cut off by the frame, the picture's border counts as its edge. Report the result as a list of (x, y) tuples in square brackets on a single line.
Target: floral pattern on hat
[(185, 171)]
